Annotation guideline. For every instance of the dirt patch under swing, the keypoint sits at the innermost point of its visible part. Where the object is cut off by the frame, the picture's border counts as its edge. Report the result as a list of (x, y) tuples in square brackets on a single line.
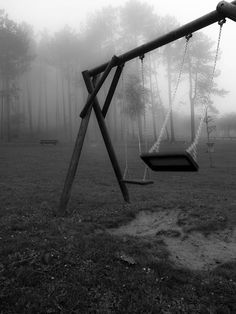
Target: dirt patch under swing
[(190, 245)]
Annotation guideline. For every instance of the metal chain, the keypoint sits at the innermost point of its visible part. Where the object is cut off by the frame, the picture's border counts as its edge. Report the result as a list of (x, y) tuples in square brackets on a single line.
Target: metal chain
[(156, 145), (146, 169), (125, 127), (143, 99), (192, 149)]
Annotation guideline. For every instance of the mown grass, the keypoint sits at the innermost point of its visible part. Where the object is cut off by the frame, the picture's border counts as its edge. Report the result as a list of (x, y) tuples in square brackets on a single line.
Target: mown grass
[(71, 264)]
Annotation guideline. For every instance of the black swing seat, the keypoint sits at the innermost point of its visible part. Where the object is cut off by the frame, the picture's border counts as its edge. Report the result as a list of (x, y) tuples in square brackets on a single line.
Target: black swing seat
[(138, 181), (171, 161)]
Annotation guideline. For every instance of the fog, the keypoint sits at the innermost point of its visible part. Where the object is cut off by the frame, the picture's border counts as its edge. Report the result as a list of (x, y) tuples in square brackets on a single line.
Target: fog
[(67, 37)]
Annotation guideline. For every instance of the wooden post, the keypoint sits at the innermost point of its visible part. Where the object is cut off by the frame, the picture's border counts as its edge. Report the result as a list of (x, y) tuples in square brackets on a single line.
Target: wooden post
[(66, 192), (65, 196)]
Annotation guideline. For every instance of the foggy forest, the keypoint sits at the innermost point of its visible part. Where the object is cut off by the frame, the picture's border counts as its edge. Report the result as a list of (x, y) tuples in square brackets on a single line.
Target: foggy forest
[(130, 210), (42, 91)]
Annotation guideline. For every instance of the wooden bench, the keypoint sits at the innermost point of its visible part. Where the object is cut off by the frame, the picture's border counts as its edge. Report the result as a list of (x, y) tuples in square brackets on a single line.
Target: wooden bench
[(48, 142)]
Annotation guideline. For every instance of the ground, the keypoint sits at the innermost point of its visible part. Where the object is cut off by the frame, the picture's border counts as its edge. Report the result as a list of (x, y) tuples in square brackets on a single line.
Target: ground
[(171, 250)]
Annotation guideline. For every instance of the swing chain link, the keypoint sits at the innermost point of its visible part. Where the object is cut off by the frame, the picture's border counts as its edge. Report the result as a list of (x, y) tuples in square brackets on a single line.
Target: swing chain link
[(146, 169), (156, 145), (125, 126), (192, 150), (181, 66), (143, 99)]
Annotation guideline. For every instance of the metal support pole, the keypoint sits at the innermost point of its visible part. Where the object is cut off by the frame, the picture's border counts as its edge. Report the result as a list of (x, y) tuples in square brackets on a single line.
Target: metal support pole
[(227, 9)]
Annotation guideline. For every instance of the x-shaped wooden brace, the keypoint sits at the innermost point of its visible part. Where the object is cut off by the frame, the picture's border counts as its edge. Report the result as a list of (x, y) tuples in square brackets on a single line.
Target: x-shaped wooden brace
[(93, 86)]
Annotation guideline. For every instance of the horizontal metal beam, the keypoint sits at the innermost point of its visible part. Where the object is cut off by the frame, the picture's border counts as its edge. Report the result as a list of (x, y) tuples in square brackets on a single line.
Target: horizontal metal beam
[(227, 9), (180, 32)]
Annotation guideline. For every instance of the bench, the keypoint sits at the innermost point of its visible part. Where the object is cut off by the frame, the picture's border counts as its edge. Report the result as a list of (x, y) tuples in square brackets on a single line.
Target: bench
[(48, 142)]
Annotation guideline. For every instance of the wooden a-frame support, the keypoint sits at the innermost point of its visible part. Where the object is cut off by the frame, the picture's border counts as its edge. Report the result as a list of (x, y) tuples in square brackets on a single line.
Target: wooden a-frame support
[(94, 83), (92, 87)]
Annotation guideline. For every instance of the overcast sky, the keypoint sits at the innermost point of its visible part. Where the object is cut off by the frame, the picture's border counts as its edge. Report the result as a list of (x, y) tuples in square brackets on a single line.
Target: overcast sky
[(54, 14)]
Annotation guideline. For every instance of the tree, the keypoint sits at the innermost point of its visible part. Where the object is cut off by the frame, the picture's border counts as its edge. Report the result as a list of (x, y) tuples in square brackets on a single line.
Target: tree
[(65, 55), (43, 58), (14, 61), (200, 60), (28, 30), (227, 124), (139, 24), (135, 101), (172, 57), (138, 21), (101, 36)]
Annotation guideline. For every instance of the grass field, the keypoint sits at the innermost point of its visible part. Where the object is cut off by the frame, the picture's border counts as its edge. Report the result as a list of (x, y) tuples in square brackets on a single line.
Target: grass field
[(171, 250)]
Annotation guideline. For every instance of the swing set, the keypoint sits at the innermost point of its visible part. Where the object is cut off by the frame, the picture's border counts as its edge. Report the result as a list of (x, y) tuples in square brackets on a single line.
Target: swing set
[(153, 159)]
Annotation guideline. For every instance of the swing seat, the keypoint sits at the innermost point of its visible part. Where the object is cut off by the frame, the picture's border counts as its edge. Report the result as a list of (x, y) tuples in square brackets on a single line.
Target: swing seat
[(177, 161), (138, 182)]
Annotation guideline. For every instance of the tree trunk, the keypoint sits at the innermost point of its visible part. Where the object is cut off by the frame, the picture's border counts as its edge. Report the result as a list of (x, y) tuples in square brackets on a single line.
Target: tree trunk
[(29, 105), (18, 101), (57, 105), (46, 100), (8, 110), (64, 106), (133, 129), (69, 103), (40, 100), (154, 113), (161, 106)]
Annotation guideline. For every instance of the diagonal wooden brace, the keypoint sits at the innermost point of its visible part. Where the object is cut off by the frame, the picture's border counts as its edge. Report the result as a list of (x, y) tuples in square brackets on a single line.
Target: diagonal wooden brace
[(66, 192), (110, 65), (106, 138), (112, 89)]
